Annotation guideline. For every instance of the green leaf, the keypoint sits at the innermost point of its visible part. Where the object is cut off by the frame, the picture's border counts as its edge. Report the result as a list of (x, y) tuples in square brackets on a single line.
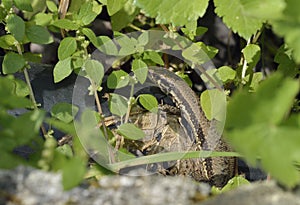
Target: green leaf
[(12, 63), (149, 102), (213, 73), (140, 69), (38, 34), (124, 16), (199, 53), (256, 79), (263, 129), (24, 5), (10, 160), (32, 57), (130, 131), (13, 94), (232, 184), (143, 39), (113, 6), (90, 35), (75, 6), (201, 30), (185, 77), (88, 12), (65, 150), (103, 2), (66, 48), (16, 26), (42, 19), (213, 103), (8, 4), (252, 55), (64, 112), (267, 9), (118, 104), (24, 129), (288, 26), (190, 29), (51, 6), (22, 89), (154, 57), (170, 156), (95, 71), (67, 128), (128, 45), (226, 73), (286, 63), (62, 70), (177, 12), (7, 41), (235, 17), (92, 138), (66, 24), (103, 43), (117, 79), (73, 172), (106, 45), (38, 6), (264, 103), (3, 14)]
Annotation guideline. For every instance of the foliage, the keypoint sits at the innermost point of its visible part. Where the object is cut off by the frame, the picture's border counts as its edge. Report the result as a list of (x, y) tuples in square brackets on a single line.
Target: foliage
[(267, 124), (260, 121)]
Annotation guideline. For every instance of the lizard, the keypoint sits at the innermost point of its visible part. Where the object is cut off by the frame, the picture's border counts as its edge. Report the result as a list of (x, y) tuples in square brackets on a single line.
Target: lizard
[(202, 133)]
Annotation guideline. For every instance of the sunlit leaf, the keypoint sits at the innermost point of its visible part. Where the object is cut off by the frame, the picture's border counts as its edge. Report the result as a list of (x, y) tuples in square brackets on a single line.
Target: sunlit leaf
[(149, 102), (140, 69), (13, 63), (233, 13), (177, 12), (66, 48), (118, 104), (16, 26), (117, 79), (38, 34), (263, 125), (62, 70)]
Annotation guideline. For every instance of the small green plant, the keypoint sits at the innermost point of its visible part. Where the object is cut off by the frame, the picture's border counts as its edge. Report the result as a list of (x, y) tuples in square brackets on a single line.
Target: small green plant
[(263, 110)]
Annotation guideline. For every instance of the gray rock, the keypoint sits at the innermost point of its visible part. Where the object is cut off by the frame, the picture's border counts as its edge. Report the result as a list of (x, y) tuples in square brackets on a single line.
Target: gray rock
[(29, 186), (32, 187), (266, 193)]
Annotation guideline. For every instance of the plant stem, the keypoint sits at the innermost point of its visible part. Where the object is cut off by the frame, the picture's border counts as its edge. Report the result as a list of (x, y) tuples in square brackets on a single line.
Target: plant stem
[(135, 27), (31, 93), (244, 69), (129, 103), (111, 153), (120, 140)]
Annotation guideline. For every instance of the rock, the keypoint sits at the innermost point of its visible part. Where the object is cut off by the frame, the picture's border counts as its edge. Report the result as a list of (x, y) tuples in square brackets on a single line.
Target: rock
[(266, 193), (29, 186)]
